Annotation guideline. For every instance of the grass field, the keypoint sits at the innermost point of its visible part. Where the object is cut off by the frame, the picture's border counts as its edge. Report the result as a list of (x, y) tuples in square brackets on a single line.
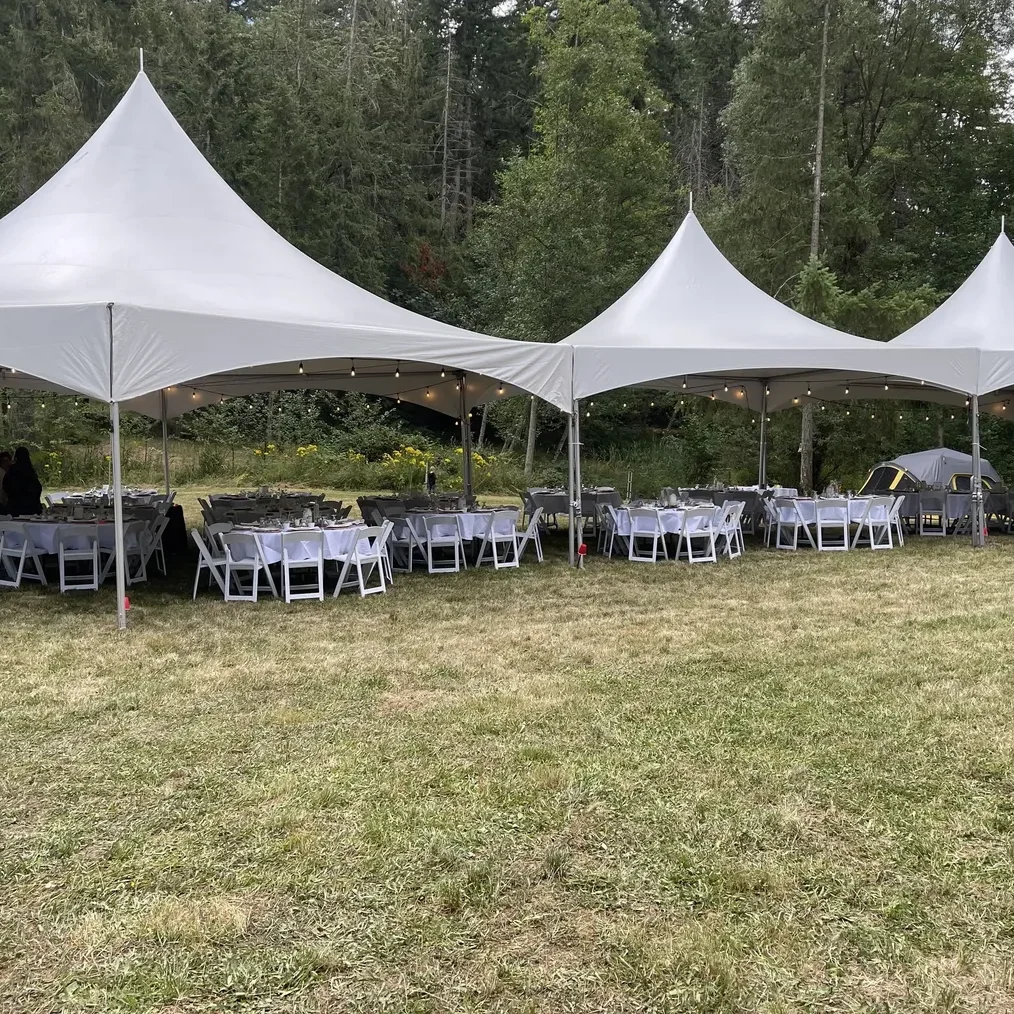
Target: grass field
[(781, 784)]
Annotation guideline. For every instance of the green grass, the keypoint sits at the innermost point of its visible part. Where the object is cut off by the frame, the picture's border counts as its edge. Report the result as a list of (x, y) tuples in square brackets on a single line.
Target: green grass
[(782, 784)]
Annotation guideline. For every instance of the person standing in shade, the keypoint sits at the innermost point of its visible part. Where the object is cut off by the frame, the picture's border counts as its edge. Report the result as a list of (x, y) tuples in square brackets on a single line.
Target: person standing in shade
[(22, 486)]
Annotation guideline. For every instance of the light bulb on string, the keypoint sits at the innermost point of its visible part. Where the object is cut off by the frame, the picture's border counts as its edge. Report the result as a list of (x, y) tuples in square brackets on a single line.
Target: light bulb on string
[(427, 392), (808, 390), (967, 402), (301, 368), (822, 406), (846, 388), (887, 386), (767, 390), (352, 372), (712, 395), (726, 388), (952, 415), (900, 416), (848, 411), (443, 372), (624, 404), (499, 390), (397, 372), (399, 399), (684, 383)]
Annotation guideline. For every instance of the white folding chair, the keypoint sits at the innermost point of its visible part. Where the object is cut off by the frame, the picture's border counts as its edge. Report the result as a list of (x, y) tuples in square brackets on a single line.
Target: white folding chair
[(699, 524), (303, 552), (386, 530), (832, 515), (933, 514), (211, 560), (875, 524), (404, 544), (367, 551), (442, 533), (787, 517), (16, 550), (500, 538), (614, 531), (895, 518), (730, 528), (78, 544), (532, 534), (645, 524), (242, 556)]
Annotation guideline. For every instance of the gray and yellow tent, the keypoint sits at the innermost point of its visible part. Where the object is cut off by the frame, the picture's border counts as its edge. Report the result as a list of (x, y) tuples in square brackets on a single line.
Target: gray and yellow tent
[(940, 468)]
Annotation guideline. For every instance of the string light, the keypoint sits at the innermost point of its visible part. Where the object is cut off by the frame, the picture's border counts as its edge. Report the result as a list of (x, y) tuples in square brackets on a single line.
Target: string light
[(900, 416), (399, 399), (952, 415), (846, 388), (499, 390), (767, 390), (808, 390), (927, 418), (822, 406), (443, 372), (193, 395), (397, 372), (848, 411), (301, 368), (427, 392), (922, 383), (967, 403), (652, 404), (726, 388), (795, 401), (712, 395), (624, 404), (886, 386), (352, 372), (684, 383)]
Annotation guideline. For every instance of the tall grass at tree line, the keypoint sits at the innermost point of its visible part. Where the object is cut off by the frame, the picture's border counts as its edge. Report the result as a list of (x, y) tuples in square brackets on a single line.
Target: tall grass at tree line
[(651, 465)]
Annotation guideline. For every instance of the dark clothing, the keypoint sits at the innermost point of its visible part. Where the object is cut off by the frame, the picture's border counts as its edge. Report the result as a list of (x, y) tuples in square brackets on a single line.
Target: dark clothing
[(24, 491)]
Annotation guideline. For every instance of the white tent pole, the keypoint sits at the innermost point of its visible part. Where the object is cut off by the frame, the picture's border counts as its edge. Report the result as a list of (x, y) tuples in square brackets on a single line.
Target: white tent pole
[(466, 441), (978, 506), (578, 523), (762, 462), (571, 517), (165, 440), (121, 562)]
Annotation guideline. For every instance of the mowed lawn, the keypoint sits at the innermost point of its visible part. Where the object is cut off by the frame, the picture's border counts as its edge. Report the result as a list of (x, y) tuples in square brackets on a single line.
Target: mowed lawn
[(780, 784)]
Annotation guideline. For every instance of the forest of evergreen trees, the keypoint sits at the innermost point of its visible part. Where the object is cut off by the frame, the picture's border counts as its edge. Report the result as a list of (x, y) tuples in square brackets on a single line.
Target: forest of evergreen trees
[(515, 168)]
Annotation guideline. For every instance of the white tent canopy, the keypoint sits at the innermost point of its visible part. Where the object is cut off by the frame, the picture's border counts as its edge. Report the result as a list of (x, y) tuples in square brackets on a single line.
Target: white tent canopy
[(978, 315), (137, 269), (693, 319)]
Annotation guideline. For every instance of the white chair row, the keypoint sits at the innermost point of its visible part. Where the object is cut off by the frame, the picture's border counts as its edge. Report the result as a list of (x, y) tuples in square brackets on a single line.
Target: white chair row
[(83, 564), (233, 562), (443, 543), (703, 534), (879, 524)]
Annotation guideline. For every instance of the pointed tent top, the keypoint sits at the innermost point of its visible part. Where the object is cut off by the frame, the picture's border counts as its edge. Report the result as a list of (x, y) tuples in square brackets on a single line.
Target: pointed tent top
[(199, 285), (692, 297), (980, 311)]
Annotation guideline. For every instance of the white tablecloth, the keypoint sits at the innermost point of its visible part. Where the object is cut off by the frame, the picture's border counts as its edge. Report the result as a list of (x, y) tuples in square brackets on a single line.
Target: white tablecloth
[(337, 542), (672, 521), (43, 536), (470, 524), (856, 512)]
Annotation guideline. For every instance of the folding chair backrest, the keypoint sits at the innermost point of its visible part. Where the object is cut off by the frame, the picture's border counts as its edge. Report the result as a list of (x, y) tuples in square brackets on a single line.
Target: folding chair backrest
[(13, 534), (442, 526), (71, 537), (505, 522), (896, 506), (536, 517), (644, 520), (202, 548), (216, 531), (832, 505), (704, 515), (302, 541), (368, 541), (239, 547)]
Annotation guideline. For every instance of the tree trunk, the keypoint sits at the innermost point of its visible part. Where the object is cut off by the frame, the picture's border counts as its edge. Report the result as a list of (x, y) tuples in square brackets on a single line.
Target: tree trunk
[(447, 129), (808, 428), (482, 427), (533, 424)]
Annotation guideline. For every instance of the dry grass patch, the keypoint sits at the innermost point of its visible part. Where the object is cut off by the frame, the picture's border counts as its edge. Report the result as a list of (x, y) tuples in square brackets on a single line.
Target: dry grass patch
[(778, 785)]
